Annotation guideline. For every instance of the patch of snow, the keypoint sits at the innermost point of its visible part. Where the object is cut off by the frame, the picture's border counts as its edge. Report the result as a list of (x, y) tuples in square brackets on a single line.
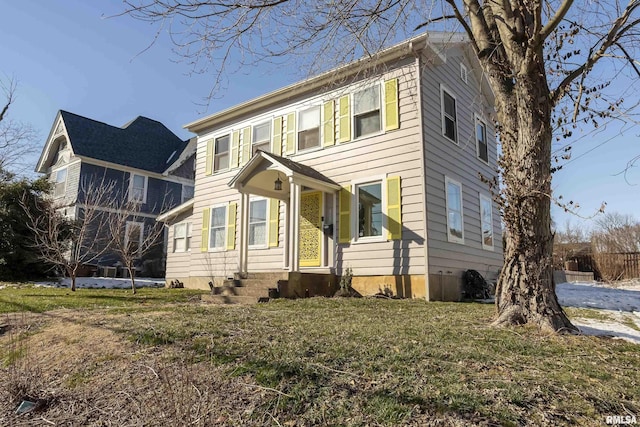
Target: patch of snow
[(619, 302), (104, 283)]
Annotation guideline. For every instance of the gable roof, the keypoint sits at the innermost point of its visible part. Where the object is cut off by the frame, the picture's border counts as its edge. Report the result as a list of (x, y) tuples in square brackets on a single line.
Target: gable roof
[(142, 143)]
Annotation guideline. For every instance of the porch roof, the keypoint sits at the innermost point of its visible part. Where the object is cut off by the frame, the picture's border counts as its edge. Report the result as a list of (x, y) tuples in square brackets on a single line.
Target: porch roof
[(259, 174)]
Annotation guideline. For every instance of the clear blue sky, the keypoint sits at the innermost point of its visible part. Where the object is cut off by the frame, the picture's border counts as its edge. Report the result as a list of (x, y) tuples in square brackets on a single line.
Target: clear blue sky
[(66, 55)]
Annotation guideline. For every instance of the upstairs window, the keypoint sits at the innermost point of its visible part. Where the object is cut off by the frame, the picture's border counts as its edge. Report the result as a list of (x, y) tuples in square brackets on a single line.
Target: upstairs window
[(221, 154), (261, 137), (60, 183), (455, 226), (449, 116), (187, 193), (138, 188), (309, 128), (481, 140), (366, 111)]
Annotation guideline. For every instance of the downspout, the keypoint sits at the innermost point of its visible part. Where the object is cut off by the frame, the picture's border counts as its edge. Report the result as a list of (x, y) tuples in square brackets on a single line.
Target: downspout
[(423, 168)]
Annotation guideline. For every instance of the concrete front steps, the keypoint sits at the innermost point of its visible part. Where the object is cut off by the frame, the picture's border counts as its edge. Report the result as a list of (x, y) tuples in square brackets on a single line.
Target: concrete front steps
[(252, 288)]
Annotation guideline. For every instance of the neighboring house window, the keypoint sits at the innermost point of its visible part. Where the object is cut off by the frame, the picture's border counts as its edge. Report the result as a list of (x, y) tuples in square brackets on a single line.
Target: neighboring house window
[(366, 111), (449, 116), (369, 209), (481, 140), (464, 73), (261, 137), (187, 193), (221, 156), (217, 229), (258, 222), (309, 128), (133, 234), (138, 188), (182, 237), (486, 221), (455, 227), (60, 183)]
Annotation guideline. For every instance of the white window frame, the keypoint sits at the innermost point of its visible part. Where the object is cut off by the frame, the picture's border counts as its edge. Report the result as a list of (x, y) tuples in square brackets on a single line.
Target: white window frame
[(266, 233), (478, 120), (223, 246), (132, 197), (183, 196), (352, 111), (215, 146), (57, 182), (299, 127), (464, 73), (267, 141), (443, 116), (355, 212), (451, 237), (486, 199), (188, 232), (127, 227)]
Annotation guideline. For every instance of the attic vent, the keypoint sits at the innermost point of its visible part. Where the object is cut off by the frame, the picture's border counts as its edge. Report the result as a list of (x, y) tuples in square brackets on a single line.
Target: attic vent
[(171, 157), (464, 73)]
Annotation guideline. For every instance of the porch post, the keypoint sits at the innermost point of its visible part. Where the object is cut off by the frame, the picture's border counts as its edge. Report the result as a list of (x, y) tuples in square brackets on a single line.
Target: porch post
[(244, 232), (287, 221), (294, 226)]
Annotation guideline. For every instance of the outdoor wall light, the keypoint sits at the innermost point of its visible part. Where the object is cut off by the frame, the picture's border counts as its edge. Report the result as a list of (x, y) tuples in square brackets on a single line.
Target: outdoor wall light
[(277, 185)]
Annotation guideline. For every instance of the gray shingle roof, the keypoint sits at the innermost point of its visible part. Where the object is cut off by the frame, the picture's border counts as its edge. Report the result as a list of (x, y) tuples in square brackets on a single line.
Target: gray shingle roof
[(142, 143)]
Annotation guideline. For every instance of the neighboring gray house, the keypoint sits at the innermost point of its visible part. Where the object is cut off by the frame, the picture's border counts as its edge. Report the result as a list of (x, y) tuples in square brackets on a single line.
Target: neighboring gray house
[(375, 166), (144, 160)]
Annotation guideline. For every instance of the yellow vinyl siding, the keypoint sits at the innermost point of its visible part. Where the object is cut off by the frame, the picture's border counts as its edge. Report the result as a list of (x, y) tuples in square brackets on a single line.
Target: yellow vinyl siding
[(344, 231), (206, 217), (394, 213)]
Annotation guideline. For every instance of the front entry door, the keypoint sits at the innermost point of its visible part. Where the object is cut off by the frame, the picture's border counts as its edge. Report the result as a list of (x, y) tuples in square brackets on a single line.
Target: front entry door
[(310, 229)]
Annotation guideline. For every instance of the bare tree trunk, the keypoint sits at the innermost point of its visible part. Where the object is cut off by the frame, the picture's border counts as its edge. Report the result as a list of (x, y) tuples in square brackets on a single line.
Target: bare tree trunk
[(526, 291), (131, 271)]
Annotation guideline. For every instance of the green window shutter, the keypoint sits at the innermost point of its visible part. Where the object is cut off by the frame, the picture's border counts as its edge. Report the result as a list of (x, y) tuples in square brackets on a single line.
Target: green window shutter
[(208, 170), (231, 226), (329, 131), (344, 119), (235, 149), (291, 133), (276, 141), (344, 232), (392, 120), (274, 211), (394, 213), (206, 217)]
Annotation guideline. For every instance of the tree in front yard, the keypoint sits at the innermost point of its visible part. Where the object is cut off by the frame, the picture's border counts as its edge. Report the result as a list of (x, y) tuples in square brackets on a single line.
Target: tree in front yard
[(549, 65)]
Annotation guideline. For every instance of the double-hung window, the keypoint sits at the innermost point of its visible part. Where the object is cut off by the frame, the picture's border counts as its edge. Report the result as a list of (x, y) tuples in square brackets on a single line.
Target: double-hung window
[(455, 219), (133, 234), (449, 116), (486, 221), (60, 183), (218, 227), (221, 153), (258, 222), (138, 188), (182, 237), (366, 111), (369, 209), (261, 137), (481, 140), (309, 128)]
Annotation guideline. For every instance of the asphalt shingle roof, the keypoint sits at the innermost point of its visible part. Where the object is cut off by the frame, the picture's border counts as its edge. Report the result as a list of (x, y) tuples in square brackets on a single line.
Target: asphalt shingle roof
[(142, 143)]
